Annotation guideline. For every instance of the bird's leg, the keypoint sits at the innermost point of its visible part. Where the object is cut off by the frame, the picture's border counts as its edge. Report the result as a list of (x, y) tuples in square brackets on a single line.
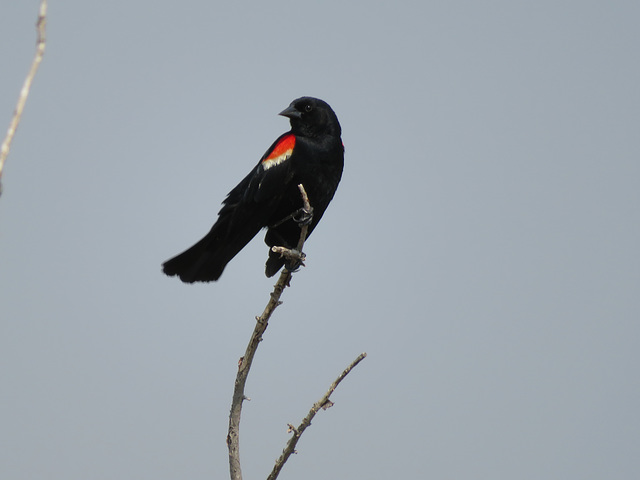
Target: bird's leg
[(302, 216), (295, 260)]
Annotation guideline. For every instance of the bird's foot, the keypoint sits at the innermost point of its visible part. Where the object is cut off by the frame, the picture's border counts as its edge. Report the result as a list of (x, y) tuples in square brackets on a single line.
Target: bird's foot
[(302, 216), (294, 258)]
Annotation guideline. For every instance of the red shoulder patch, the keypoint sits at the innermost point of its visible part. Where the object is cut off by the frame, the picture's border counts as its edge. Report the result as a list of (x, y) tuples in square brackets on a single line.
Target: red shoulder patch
[(281, 152)]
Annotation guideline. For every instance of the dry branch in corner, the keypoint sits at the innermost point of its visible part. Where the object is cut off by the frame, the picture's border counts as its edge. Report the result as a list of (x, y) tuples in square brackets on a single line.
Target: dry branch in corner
[(26, 87)]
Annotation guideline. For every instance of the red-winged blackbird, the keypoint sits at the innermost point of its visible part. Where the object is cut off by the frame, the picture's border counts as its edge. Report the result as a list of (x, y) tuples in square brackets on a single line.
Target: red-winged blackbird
[(312, 154)]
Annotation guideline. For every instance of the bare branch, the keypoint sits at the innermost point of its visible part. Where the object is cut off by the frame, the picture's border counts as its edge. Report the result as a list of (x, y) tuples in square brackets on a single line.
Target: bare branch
[(244, 365), (24, 92), (323, 403)]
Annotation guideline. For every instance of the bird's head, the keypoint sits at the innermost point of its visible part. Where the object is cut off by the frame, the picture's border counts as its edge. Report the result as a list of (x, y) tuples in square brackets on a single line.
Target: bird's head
[(312, 117)]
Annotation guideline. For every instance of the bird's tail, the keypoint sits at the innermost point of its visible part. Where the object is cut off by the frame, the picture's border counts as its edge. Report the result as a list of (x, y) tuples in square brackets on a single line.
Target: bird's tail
[(197, 264), (205, 261)]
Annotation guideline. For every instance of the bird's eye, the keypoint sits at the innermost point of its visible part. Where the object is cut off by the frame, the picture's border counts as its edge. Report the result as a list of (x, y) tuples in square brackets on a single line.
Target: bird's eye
[(308, 108)]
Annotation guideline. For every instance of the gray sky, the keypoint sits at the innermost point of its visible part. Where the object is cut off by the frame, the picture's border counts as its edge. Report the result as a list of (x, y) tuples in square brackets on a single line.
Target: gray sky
[(482, 247)]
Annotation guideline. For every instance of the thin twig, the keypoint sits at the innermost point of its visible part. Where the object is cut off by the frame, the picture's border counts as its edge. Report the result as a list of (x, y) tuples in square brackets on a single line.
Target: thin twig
[(24, 92), (323, 403), (244, 365)]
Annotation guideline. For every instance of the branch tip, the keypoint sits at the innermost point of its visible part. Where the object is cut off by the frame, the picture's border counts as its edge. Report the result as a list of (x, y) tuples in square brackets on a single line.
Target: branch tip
[(323, 403), (291, 428)]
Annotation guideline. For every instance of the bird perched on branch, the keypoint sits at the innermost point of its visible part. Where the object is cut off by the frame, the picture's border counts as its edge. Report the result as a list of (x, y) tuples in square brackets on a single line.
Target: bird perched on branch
[(311, 154)]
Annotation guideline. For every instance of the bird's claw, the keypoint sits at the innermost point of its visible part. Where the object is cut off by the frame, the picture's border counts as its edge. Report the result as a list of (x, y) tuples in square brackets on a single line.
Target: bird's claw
[(302, 217), (294, 264), (294, 259)]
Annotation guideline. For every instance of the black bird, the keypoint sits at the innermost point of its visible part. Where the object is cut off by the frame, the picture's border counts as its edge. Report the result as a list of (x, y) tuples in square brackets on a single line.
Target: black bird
[(312, 154)]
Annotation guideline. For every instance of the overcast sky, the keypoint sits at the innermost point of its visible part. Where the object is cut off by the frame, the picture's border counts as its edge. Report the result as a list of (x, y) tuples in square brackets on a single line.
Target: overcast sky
[(482, 247)]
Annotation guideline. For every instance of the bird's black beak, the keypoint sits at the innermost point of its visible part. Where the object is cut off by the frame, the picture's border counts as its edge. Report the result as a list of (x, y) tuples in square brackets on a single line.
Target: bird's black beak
[(290, 112)]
